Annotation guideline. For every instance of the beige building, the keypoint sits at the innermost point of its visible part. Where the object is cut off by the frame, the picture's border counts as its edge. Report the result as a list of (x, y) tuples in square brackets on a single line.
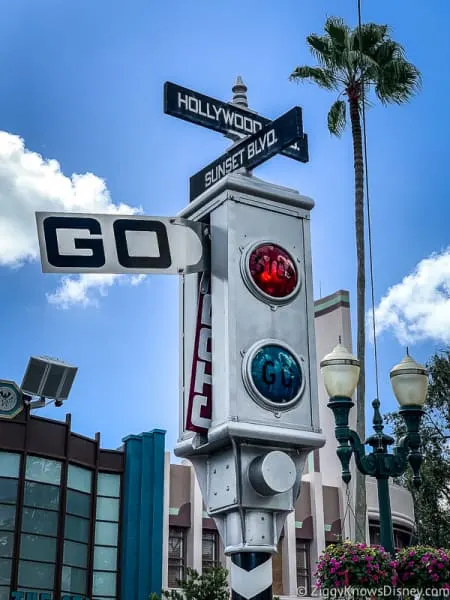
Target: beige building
[(324, 510)]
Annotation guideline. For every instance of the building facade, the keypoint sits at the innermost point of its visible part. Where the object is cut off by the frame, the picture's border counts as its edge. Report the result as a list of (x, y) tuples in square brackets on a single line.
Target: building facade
[(81, 522), (78, 521)]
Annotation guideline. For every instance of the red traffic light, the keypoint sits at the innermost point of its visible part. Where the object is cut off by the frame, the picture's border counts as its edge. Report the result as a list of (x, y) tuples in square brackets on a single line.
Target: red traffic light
[(272, 271)]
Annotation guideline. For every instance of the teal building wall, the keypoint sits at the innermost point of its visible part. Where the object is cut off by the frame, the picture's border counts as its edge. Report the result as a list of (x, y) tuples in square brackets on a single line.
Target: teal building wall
[(142, 515)]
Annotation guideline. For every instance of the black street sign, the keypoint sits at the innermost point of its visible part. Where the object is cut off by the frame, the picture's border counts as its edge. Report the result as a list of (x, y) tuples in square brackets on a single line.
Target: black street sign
[(222, 116), (251, 151)]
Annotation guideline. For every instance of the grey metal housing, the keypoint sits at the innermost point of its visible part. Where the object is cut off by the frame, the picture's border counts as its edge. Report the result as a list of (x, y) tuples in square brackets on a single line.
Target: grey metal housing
[(242, 210)]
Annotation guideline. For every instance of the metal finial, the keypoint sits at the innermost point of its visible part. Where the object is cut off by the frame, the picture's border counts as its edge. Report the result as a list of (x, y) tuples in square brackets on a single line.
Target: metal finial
[(239, 90), (340, 340), (407, 351)]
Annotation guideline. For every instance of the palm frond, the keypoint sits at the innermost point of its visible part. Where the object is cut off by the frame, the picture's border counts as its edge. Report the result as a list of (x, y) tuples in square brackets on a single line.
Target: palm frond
[(325, 78), (397, 82), (338, 32), (371, 36), (387, 51), (321, 48), (337, 118)]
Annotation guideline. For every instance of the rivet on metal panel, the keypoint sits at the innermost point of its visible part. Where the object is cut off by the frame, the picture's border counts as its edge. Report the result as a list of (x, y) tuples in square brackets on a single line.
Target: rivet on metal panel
[(215, 471), (227, 467), (242, 352), (227, 488), (277, 415), (273, 307), (241, 248)]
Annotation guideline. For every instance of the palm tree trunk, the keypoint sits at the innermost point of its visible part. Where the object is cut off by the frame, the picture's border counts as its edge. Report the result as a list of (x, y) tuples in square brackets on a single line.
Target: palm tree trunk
[(360, 491)]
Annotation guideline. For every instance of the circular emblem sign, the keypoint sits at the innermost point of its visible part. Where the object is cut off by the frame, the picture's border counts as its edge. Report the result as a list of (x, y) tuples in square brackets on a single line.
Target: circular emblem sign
[(273, 375), (11, 401), (270, 273)]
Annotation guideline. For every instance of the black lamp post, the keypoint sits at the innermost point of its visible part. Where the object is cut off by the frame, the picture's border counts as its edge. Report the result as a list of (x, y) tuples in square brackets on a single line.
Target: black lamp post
[(409, 381)]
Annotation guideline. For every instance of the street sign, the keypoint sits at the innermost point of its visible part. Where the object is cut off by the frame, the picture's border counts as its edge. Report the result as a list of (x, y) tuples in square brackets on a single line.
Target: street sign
[(118, 244), (198, 416), (222, 116), (251, 151)]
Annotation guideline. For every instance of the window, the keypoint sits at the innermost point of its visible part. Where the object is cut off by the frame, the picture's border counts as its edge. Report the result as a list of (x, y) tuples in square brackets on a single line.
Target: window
[(73, 580), (37, 548), (78, 504), (9, 473), (8, 490), (5, 571), (4, 593), (41, 495), (6, 543), (108, 484), (74, 576), (402, 536), (7, 517), (75, 554), (36, 575), (106, 535), (303, 565), (105, 559), (41, 499), (107, 509), (176, 556), (43, 470), (104, 584), (210, 549), (9, 464), (79, 479), (76, 529), (35, 520)]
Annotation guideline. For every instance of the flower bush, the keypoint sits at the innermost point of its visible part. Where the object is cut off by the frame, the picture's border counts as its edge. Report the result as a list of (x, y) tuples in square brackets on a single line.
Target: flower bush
[(423, 567), (354, 565)]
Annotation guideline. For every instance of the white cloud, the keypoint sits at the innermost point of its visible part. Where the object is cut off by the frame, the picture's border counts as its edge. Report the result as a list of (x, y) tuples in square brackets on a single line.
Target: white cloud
[(30, 183), (418, 308)]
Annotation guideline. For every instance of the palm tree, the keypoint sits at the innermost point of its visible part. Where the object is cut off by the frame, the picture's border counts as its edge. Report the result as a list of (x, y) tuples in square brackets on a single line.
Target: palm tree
[(355, 62)]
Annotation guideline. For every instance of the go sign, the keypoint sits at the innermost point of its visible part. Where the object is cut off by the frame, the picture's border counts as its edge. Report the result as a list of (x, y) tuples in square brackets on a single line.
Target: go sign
[(273, 375), (84, 243)]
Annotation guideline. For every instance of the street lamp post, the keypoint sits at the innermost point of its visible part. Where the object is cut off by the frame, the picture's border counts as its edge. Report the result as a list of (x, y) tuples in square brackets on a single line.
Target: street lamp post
[(340, 371)]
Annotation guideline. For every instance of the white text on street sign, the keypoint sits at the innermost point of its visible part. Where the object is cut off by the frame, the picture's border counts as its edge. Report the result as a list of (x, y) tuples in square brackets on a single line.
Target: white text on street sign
[(251, 152), (222, 116)]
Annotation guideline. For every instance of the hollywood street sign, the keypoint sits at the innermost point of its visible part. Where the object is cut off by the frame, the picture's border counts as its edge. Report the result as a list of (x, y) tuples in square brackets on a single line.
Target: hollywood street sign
[(222, 116), (85, 243), (251, 151)]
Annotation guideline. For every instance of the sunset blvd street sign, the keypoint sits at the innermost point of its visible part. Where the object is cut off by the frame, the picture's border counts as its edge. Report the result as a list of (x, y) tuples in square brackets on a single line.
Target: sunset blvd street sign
[(222, 116), (251, 151)]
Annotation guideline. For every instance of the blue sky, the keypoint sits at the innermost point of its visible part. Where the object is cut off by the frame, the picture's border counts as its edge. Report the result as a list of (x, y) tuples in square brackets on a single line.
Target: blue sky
[(82, 84)]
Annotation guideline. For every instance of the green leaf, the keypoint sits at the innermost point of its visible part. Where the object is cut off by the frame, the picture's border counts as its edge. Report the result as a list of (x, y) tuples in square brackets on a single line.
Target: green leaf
[(397, 82), (338, 32), (337, 118), (321, 76)]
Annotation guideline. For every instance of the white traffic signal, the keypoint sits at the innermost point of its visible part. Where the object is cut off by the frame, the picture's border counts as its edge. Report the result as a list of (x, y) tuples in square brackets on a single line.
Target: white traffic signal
[(262, 322)]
